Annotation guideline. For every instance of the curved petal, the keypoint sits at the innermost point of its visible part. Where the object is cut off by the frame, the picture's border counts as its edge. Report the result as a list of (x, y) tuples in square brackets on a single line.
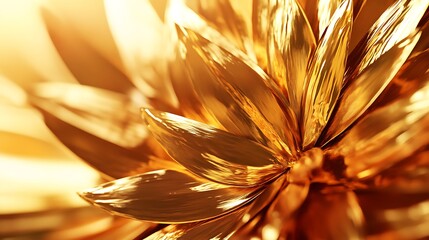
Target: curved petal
[(320, 12), (225, 226), (100, 127), (228, 22), (325, 75), (178, 13), (168, 196), (411, 77), (396, 23), (290, 44), (386, 136), (141, 38), (212, 153), (330, 216), (239, 94), (219, 228), (363, 91), (325, 10), (98, 71), (260, 25)]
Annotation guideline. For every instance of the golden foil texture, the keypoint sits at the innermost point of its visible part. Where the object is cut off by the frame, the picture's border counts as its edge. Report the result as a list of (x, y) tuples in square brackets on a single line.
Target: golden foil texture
[(221, 119)]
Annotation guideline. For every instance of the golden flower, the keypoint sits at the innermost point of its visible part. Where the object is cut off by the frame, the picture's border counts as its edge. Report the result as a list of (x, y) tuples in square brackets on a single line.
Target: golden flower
[(278, 130)]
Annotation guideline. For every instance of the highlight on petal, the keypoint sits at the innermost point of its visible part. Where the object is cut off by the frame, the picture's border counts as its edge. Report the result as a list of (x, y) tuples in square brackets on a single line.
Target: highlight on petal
[(290, 44), (325, 75), (142, 41), (222, 227), (364, 90), (260, 25), (178, 13), (219, 228), (386, 136), (228, 22), (320, 12), (411, 77), (168, 196), (100, 127), (396, 23), (239, 94), (76, 51), (212, 153)]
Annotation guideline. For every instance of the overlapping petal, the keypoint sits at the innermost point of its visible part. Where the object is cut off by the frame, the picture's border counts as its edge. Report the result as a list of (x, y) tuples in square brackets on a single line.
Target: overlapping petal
[(225, 226), (168, 196), (212, 153), (365, 89), (101, 127), (239, 94), (396, 23), (290, 45), (325, 75), (386, 135)]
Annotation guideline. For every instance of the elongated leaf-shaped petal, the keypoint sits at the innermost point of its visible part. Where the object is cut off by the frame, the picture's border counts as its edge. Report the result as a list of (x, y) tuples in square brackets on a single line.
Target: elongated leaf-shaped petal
[(228, 22), (398, 22), (325, 76), (100, 127), (67, 38), (168, 196), (212, 153), (240, 94), (319, 13), (363, 91), (141, 38), (290, 43), (260, 25), (220, 228), (386, 136), (224, 226), (411, 77)]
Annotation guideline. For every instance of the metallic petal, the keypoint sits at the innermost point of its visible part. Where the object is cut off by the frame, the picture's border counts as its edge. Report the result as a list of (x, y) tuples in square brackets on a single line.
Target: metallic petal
[(100, 127), (339, 213), (141, 45), (396, 23), (219, 228), (325, 75), (386, 136), (319, 13), (325, 10), (411, 77), (363, 91), (260, 25), (178, 13), (168, 196), (212, 153), (290, 44), (223, 227), (235, 90), (228, 22), (66, 39)]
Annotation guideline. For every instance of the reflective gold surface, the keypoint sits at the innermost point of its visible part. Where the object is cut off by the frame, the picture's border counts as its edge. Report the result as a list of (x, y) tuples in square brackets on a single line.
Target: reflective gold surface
[(183, 198), (214, 119), (325, 75)]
